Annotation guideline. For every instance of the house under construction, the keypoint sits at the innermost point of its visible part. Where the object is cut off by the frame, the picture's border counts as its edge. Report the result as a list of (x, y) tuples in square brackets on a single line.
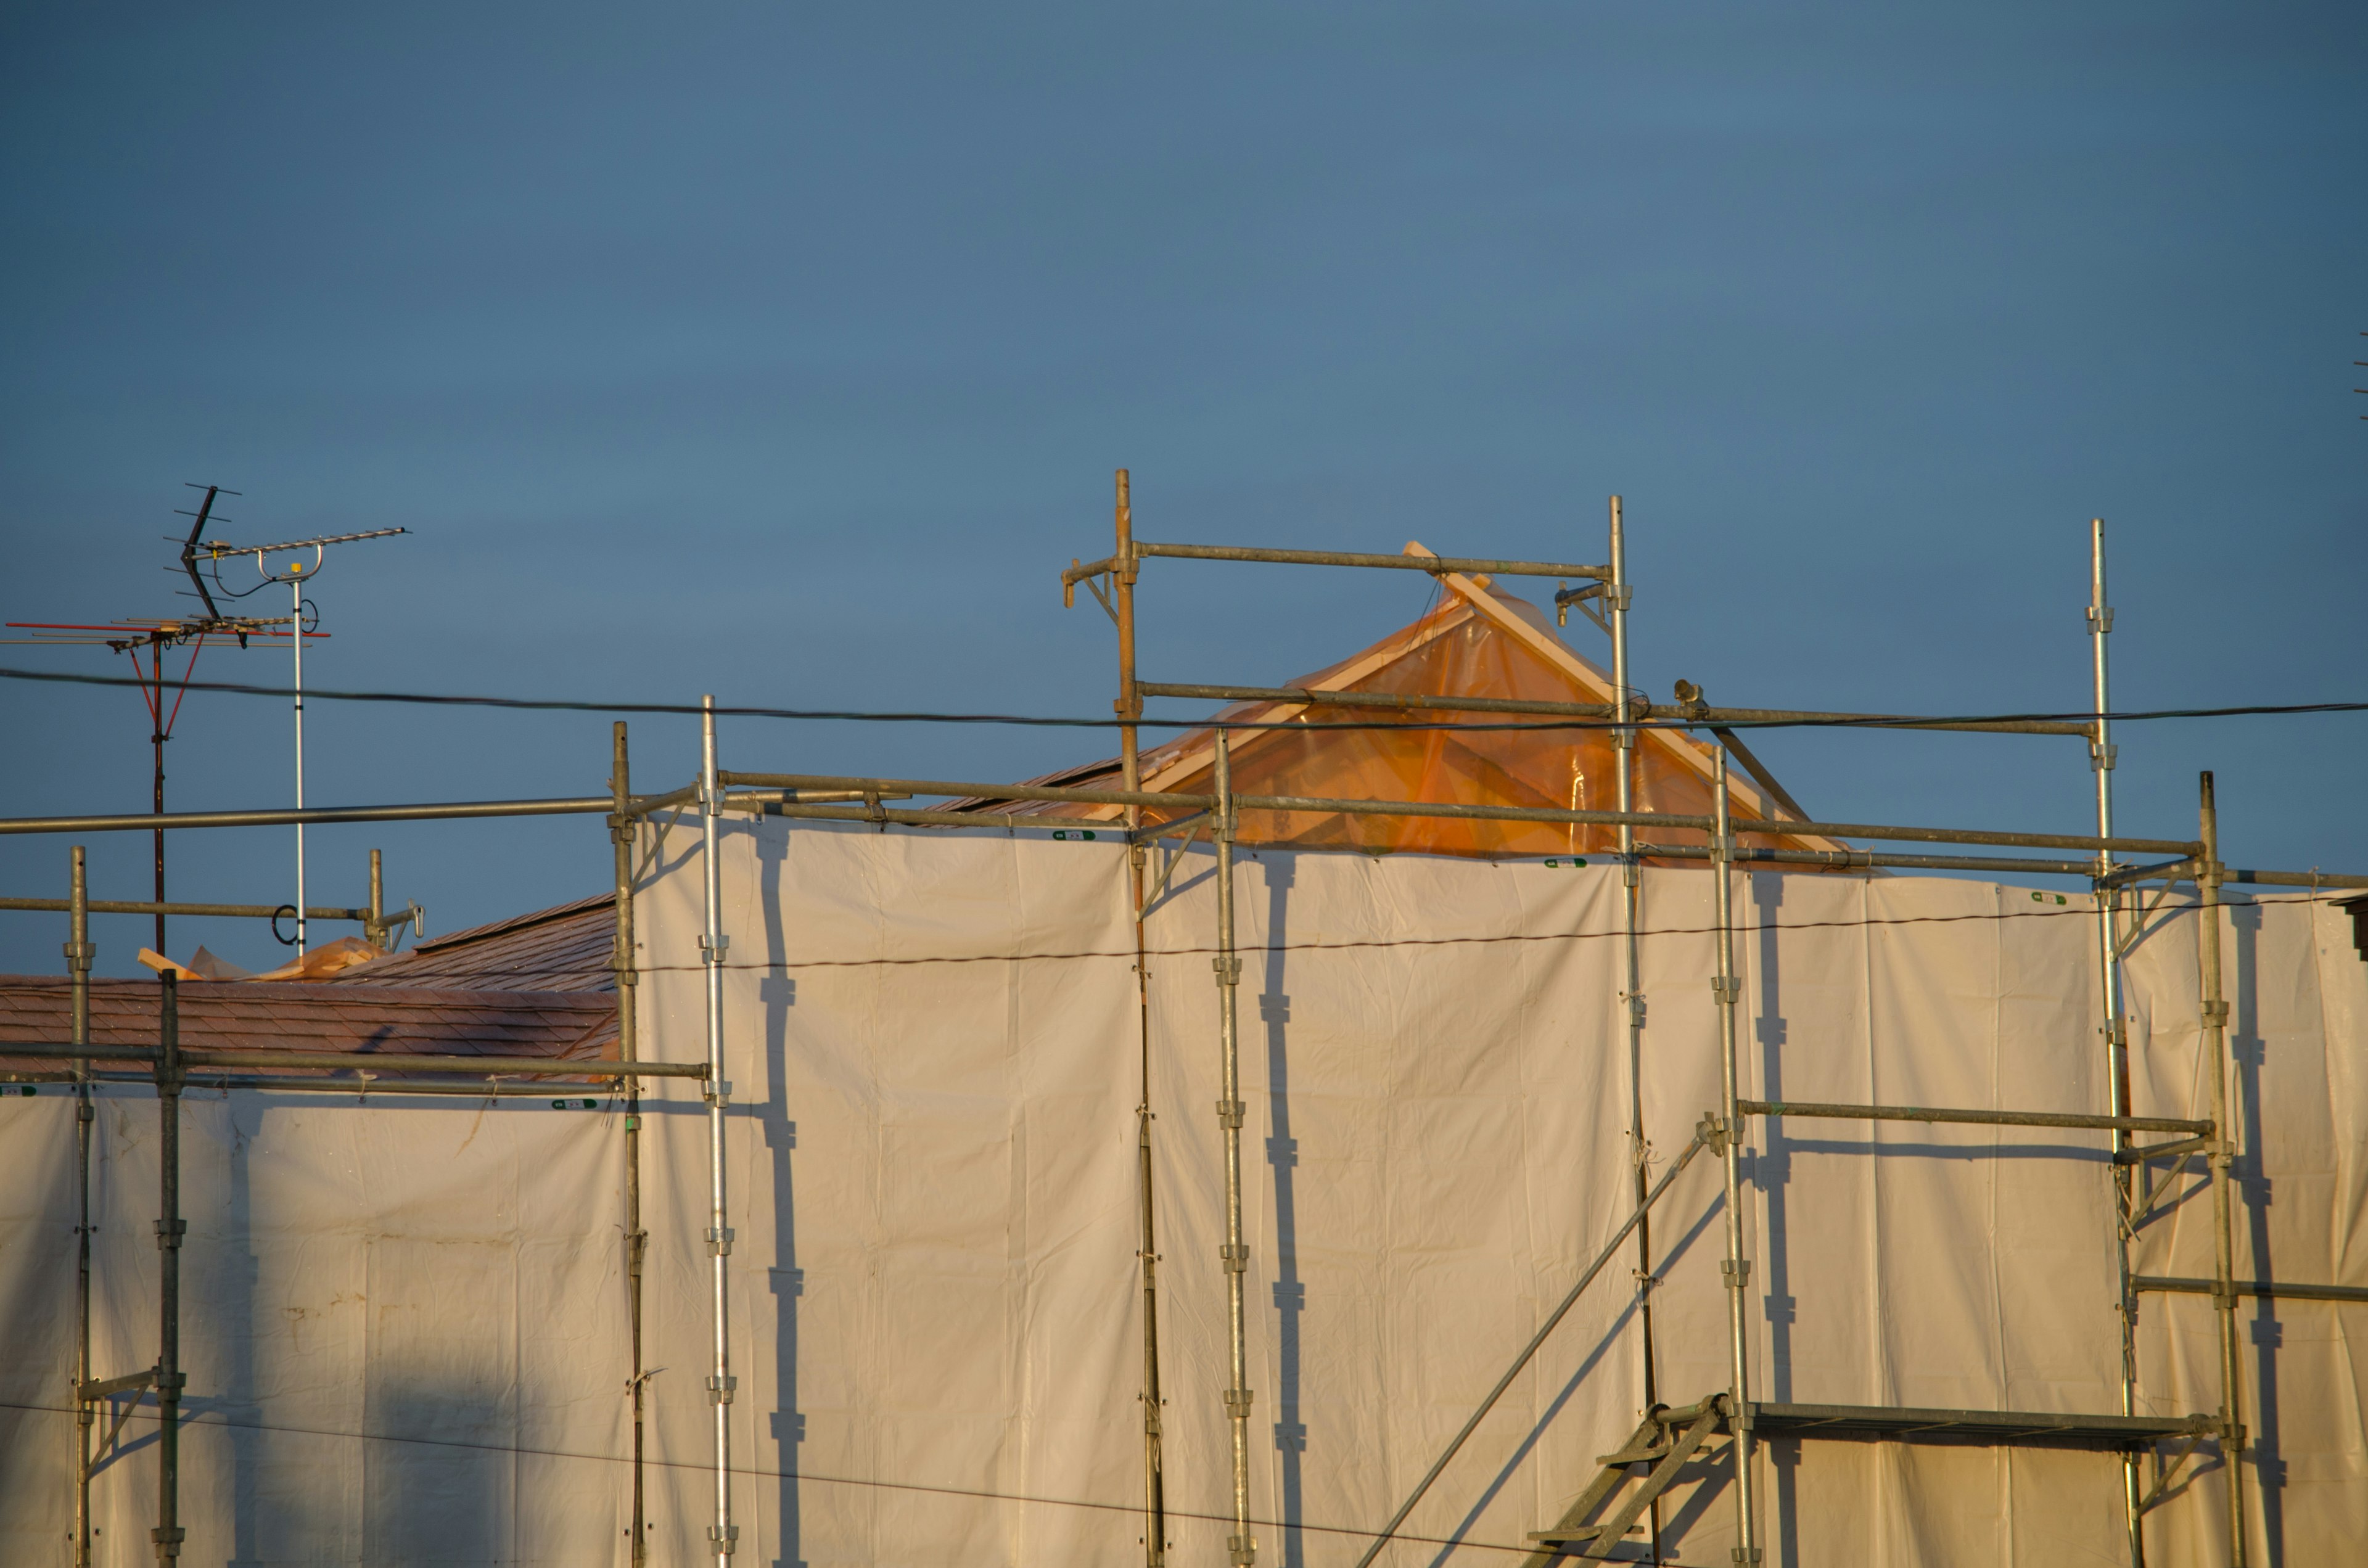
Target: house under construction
[(1448, 1106)]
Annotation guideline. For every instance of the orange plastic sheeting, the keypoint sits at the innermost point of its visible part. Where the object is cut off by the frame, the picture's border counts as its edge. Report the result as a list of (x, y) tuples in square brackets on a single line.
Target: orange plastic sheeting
[(1452, 651)]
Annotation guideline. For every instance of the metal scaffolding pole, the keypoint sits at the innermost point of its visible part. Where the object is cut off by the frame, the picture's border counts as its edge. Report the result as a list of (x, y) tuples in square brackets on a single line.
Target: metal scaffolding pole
[(170, 1228), (1737, 1266), (79, 953), (2117, 1067), (1240, 1547), (1616, 595), (723, 1535), (1129, 708), (623, 829), (374, 927), (2223, 1276)]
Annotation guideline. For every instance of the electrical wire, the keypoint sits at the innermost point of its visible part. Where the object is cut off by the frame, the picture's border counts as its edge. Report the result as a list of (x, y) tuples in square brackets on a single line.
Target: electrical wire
[(1868, 923), (1133, 1509), (1835, 721)]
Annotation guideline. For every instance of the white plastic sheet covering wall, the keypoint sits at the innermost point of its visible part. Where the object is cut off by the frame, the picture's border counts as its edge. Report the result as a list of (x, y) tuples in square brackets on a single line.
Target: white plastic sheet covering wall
[(405, 1325)]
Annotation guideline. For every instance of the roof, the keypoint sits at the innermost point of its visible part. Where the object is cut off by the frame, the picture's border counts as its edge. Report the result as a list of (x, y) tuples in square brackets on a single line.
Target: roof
[(568, 947), (1477, 642), (381, 1021)]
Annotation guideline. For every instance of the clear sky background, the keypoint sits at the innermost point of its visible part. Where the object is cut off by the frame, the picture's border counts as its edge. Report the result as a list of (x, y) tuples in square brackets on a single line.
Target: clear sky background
[(785, 352)]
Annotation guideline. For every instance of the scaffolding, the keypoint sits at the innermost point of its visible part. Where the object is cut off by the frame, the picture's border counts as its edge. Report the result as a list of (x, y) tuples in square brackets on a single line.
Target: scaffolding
[(1667, 1437)]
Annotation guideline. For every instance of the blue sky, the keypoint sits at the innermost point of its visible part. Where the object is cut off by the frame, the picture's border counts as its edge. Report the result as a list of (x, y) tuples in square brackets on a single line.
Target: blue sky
[(786, 352)]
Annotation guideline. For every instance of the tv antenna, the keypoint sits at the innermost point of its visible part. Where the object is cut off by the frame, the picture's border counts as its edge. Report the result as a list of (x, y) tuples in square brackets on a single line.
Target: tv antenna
[(155, 636), (297, 574)]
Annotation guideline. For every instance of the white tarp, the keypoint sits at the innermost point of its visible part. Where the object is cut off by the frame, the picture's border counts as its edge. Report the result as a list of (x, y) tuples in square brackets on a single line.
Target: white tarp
[(405, 1327)]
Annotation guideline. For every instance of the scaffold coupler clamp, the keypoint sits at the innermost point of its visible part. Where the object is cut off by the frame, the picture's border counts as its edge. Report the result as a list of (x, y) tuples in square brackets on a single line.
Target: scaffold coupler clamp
[(79, 956), (1712, 1130), (725, 1539), (713, 951), (1229, 969), (720, 1390), (1241, 1550), (168, 1541), (1726, 988), (621, 827), (2100, 758)]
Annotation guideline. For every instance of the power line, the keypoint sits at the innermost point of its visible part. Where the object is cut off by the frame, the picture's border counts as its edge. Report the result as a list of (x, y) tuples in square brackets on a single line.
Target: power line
[(1379, 942), (560, 705), (758, 1472)]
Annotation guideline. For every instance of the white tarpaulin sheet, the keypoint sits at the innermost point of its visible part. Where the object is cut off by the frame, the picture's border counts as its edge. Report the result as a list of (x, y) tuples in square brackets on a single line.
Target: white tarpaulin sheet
[(405, 1322)]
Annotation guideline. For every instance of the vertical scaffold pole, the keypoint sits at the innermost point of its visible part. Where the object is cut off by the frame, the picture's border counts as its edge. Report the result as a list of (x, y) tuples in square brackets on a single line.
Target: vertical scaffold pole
[(1631, 997), (79, 954), (2224, 1151), (622, 835), (170, 1228), (1240, 1547), (374, 927), (1129, 707), (2116, 1036), (723, 1535), (1737, 1266)]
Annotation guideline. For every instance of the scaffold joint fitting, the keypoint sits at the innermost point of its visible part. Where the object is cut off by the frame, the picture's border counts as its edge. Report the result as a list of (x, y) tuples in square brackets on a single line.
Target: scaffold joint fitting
[(1230, 1113), (1235, 1255)]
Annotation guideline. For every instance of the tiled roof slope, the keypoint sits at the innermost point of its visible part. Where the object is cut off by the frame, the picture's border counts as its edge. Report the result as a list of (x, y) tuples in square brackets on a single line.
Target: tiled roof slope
[(566, 948), (385, 1020)]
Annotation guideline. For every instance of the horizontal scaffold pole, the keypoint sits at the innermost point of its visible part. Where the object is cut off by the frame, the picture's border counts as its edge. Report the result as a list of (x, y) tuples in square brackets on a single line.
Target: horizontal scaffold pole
[(312, 817), (1602, 712), (372, 1087), (374, 1062), (908, 788), (2176, 1284), (1816, 1108), (119, 907), (1465, 564)]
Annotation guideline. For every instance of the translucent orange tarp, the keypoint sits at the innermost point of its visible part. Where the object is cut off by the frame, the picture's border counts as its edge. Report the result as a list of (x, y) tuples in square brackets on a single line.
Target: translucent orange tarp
[(1454, 651)]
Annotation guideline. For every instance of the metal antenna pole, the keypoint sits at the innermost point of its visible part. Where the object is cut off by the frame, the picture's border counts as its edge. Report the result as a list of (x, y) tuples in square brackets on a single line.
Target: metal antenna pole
[(168, 1534), (2223, 1276), (1129, 708), (1737, 1266), (723, 1535), (2117, 1066), (157, 739), (1624, 741), (78, 961), (1241, 1547), (622, 832), (296, 637)]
